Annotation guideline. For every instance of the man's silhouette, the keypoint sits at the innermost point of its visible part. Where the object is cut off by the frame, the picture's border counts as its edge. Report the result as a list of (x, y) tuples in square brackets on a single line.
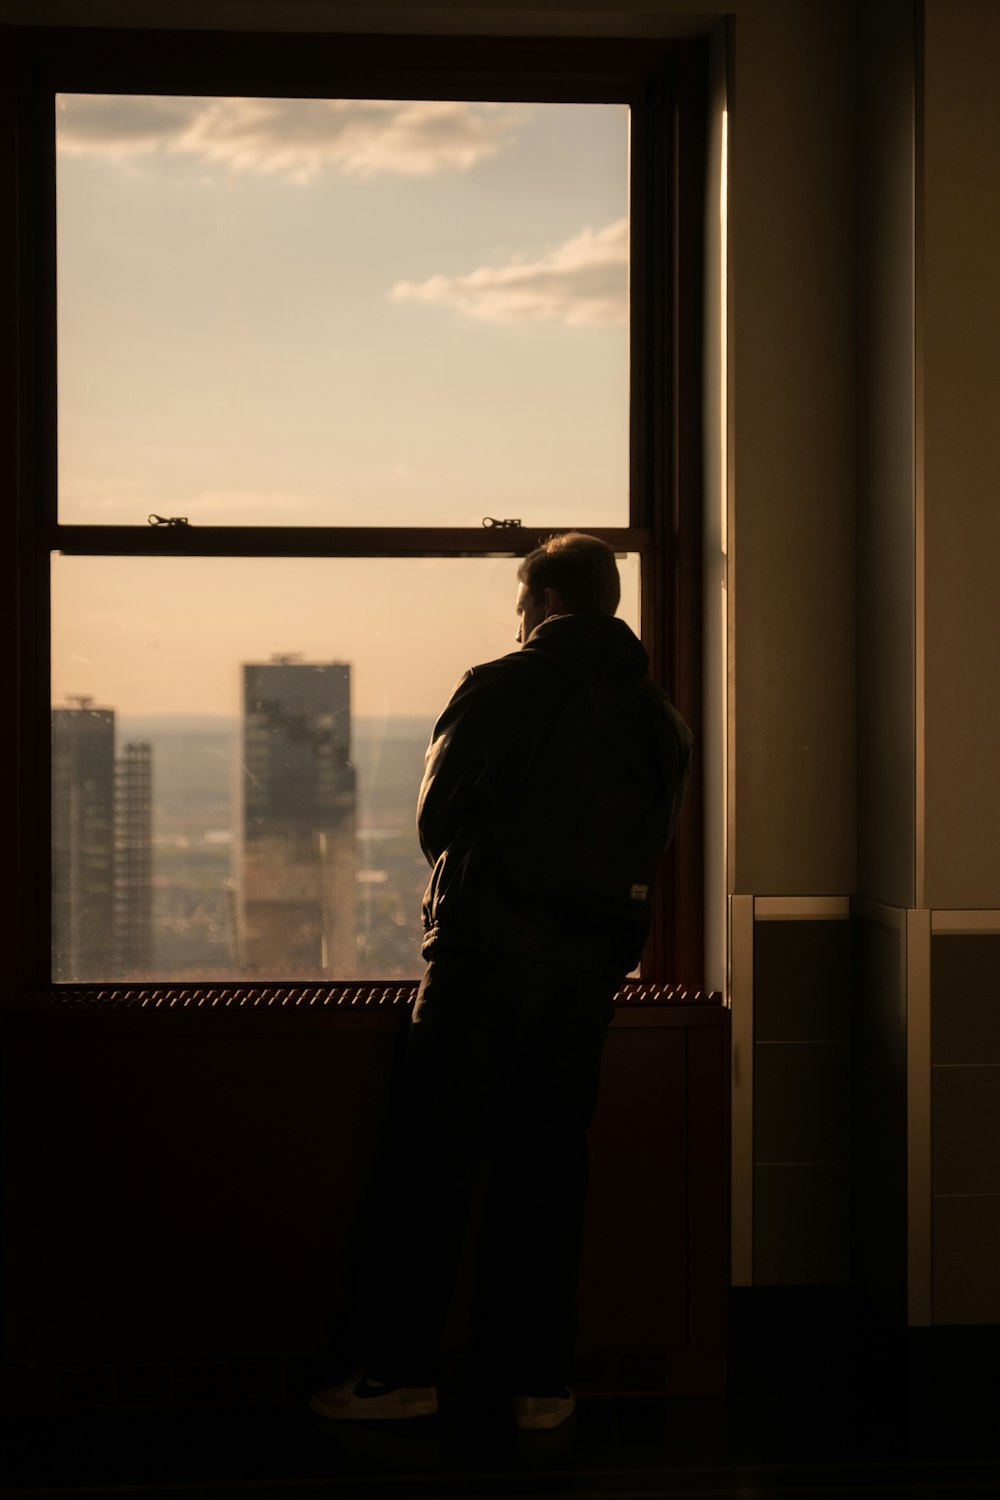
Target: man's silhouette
[(552, 785)]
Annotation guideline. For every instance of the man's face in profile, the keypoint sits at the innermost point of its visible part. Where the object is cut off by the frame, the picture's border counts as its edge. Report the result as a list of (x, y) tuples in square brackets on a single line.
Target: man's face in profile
[(530, 613)]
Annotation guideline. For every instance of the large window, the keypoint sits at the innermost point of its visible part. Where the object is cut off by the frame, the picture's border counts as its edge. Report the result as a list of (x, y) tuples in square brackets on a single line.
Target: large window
[(307, 321)]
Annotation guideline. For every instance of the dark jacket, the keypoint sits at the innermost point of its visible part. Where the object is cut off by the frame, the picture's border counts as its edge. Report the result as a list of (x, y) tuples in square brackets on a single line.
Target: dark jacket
[(481, 753)]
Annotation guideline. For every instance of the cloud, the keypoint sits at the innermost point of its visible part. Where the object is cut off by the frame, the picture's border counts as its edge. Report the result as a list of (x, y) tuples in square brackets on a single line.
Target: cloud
[(297, 138), (584, 280)]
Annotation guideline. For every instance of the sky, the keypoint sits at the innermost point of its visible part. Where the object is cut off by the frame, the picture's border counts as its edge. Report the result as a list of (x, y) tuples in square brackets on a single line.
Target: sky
[(333, 312), (164, 636)]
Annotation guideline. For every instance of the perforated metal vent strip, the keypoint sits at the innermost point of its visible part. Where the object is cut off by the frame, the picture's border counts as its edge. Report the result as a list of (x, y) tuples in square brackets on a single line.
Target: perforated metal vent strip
[(354, 996), (234, 996)]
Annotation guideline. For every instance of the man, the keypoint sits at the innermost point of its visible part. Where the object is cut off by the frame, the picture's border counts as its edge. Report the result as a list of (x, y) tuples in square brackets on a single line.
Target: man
[(552, 785)]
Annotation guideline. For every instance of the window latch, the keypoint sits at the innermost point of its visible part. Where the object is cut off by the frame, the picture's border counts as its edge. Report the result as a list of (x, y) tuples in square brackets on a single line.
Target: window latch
[(490, 521), (155, 520)]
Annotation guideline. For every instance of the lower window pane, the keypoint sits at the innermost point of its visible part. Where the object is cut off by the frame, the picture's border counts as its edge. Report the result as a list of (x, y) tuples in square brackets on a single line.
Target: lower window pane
[(237, 747)]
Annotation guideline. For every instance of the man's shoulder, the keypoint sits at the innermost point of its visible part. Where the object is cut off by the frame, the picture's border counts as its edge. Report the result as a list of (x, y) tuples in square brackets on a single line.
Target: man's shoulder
[(516, 669)]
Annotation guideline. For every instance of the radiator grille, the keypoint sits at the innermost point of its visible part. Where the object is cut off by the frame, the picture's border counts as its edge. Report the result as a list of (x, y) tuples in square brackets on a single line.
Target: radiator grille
[(350, 995)]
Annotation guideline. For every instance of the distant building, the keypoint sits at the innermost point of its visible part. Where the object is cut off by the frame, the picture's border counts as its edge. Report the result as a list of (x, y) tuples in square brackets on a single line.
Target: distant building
[(133, 860), (83, 842), (297, 821), (101, 849)]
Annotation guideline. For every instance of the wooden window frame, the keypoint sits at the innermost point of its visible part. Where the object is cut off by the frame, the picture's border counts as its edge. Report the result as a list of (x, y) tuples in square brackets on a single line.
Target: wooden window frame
[(664, 85)]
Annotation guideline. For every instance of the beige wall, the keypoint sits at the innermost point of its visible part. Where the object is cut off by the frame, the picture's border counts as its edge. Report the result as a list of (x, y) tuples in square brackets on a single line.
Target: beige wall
[(792, 261), (961, 418)]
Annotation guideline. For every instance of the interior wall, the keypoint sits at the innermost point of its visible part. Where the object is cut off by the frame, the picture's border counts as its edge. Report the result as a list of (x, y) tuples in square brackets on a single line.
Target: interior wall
[(881, 1030), (926, 1062), (961, 310), (793, 342), (878, 1128), (802, 1167), (965, 1156), (886, 538)]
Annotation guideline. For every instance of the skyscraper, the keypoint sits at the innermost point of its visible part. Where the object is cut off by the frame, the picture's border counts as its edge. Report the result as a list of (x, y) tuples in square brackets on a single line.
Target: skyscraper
[(83, 842), (133, 860), (297, 821), (101, 848)]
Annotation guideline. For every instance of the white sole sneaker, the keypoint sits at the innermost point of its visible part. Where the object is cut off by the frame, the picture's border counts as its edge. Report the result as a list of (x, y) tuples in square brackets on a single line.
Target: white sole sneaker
[(537, 1413), (357, 1400)]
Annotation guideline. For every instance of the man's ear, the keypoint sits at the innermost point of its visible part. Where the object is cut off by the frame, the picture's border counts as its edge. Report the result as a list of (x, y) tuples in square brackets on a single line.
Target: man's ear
[(554, 602)]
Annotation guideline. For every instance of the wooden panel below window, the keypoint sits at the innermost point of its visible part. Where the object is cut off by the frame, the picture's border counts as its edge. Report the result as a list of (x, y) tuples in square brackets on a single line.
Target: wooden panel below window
[(189, 1198)]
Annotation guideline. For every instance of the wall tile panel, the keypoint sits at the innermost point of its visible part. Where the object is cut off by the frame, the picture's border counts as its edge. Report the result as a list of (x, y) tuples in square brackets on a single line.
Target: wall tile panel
[(966, 1130), (800, 1225), (965, 998), (966, 1258), (802, 976), (800, 1101)]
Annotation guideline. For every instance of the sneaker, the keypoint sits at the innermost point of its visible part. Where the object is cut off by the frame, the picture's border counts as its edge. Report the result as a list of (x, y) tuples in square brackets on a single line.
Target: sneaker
[(536, 1413), (362, 1400)]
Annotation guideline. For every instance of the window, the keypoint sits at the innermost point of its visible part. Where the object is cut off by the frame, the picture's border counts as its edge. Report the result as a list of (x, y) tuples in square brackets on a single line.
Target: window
[(317, 309)]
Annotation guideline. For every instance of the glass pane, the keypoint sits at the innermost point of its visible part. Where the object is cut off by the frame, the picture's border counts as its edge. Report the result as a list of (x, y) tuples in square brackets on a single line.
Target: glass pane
[(237, 748), (342, 312)]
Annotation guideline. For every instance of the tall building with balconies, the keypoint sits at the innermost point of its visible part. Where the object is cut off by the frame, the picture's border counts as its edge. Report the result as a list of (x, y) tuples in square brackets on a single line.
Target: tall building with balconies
[(83, 842), (297, 873), (101, 848)]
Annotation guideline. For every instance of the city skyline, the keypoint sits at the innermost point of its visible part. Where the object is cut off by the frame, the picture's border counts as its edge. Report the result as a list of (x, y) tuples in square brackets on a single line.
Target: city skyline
[(255, 848)]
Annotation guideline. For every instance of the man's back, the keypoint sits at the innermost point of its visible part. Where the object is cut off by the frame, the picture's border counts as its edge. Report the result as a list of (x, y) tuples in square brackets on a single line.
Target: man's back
[(552, 773)]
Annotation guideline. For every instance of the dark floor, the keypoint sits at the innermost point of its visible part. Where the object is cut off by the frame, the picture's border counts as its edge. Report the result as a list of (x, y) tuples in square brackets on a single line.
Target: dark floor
[(824, 1400)]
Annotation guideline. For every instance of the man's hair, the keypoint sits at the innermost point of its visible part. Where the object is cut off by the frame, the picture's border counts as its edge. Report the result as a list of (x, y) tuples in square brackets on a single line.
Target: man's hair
[(582, 570)]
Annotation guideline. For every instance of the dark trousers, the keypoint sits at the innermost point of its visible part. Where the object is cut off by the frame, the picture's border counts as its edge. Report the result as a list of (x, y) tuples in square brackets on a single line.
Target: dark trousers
[(501, 1071)]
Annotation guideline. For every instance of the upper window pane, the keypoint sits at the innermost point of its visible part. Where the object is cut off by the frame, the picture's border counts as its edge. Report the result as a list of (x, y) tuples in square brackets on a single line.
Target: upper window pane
[(342, 312)]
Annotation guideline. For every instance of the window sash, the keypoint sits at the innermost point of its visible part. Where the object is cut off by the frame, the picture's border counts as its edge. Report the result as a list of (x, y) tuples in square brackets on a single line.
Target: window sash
[(322, 541)]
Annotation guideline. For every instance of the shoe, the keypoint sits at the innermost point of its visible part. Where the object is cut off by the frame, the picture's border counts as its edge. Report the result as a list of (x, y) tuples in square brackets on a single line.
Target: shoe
[(362, 1400), (536, 1413)]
